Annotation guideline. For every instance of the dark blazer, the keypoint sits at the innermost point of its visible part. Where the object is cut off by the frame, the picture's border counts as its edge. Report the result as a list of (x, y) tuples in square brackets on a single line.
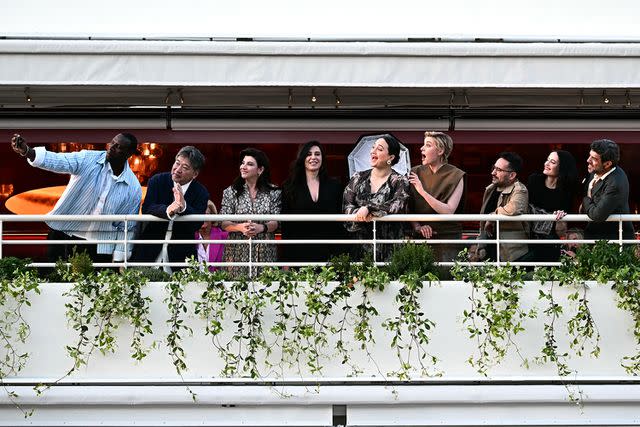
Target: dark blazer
[(159, 197), (608, 196)]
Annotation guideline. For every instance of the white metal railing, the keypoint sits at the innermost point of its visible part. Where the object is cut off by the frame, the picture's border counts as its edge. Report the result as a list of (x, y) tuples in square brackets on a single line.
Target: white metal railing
[(374, 241)]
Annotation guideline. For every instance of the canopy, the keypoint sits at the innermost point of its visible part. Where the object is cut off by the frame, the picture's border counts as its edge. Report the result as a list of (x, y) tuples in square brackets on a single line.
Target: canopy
[(359, 157)]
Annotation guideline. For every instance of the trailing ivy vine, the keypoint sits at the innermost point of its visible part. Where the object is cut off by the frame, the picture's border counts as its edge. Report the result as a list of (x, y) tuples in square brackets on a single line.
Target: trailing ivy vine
[(99, 304), (609, 263), (553, 310), (411, 329), (495, 315), (17, 285)]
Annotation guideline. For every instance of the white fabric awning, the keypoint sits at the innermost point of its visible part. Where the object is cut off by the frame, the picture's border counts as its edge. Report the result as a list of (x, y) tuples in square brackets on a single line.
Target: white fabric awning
[(340, 64), (206, 73)]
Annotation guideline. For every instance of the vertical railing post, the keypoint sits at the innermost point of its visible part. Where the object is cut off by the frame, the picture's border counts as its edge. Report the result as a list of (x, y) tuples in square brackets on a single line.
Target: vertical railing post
[(498, 243), (126, 242), (250, 257), (375, 246), (620, 232)]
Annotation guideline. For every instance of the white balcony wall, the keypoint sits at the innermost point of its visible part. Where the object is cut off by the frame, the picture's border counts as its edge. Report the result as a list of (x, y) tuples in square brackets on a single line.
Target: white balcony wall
[(443, 303), (115, 390)]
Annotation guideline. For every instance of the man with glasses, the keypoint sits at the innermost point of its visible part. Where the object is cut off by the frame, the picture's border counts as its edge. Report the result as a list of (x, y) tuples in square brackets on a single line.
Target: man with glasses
[(505, 196), (606, 192), (169, 195)]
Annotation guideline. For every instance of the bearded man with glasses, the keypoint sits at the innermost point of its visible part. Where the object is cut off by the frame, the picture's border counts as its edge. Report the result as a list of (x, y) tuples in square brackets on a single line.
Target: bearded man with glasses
[(505, 196)]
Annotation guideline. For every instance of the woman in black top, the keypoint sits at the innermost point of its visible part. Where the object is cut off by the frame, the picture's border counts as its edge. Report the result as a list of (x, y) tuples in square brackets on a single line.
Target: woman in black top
[(552, 191), (309, 190)]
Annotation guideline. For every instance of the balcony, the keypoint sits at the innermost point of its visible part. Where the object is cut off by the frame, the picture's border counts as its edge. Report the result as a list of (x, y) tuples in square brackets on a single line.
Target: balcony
[(338, 364)]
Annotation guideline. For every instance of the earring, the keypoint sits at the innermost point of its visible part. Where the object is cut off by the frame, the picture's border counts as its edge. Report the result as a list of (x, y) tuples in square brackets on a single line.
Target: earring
[(388, 162)]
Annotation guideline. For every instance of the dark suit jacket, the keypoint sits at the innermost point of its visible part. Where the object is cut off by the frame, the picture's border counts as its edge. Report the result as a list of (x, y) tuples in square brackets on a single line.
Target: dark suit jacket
[(159, 197), (608, 196)]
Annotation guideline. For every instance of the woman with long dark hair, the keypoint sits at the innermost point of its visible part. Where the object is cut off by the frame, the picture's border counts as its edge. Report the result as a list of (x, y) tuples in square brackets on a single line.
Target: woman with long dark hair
[(310, 190), (251, 193), (552, 191)]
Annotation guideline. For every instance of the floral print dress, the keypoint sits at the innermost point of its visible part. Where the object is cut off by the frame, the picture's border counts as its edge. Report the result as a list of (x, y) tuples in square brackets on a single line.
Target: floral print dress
[(265, 203), (391, 198)]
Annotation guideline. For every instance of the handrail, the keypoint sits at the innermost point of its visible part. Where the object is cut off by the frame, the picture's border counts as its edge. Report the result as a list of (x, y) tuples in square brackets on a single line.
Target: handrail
[(318, 217), (620, 218)]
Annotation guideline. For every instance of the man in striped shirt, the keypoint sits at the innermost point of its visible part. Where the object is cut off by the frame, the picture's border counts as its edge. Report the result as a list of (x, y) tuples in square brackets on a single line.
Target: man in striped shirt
[(101, 183)]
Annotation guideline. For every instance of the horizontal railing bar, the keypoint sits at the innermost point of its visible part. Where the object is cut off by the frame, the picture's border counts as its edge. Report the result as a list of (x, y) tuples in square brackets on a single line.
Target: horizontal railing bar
[(326, 381), (317, 217), (190, 241), (307, 218), (309, 241)]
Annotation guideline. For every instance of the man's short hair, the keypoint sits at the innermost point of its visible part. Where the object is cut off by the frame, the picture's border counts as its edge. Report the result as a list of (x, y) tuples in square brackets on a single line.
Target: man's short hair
[(132, 140), (515, 161), (194, 155), (607, 149)]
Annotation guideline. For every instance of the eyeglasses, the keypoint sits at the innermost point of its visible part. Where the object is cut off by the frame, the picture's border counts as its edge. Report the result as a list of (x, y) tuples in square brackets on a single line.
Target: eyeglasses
[(497, 169)]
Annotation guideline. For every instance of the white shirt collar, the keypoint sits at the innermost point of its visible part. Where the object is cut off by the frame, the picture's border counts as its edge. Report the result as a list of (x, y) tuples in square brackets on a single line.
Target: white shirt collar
[(184, 187), (605, 175)]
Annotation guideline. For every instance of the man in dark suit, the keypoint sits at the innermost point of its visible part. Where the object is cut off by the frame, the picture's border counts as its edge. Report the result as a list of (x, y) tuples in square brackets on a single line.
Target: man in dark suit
[(169, 195), (606, 192)]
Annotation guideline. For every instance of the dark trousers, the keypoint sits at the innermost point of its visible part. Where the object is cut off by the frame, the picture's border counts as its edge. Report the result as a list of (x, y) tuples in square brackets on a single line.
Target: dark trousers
[(64, 251)]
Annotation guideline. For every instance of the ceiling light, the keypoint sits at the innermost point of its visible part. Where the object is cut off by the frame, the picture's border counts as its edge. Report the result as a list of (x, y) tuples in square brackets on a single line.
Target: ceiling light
[(27, 95), (338, 101), (605, 98)]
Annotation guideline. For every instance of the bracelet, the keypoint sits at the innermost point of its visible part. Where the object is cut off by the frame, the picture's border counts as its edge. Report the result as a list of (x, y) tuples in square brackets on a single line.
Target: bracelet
[(25, 152)]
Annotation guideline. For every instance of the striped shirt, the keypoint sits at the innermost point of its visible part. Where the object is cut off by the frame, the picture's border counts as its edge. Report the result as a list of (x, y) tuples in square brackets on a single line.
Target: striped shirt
[(82, 196)]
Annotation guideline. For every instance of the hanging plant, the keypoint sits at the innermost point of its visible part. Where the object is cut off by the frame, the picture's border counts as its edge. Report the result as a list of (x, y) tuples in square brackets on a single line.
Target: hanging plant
[(178, 309), (98, 305), (626, 285), (367, 278), (316, 327), (550, 352), (609, 263), (411, 329), (346, 274), (17, 285), (495, 315), (248, 298), (412, 264), (285, 297)]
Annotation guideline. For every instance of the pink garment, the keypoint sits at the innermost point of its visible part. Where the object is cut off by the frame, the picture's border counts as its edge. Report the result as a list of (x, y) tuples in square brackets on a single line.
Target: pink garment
[(215, 249)]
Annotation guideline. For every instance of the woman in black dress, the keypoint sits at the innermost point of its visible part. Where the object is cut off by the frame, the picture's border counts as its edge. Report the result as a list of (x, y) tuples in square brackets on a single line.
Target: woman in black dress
[(309, 190), (552, 191)]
